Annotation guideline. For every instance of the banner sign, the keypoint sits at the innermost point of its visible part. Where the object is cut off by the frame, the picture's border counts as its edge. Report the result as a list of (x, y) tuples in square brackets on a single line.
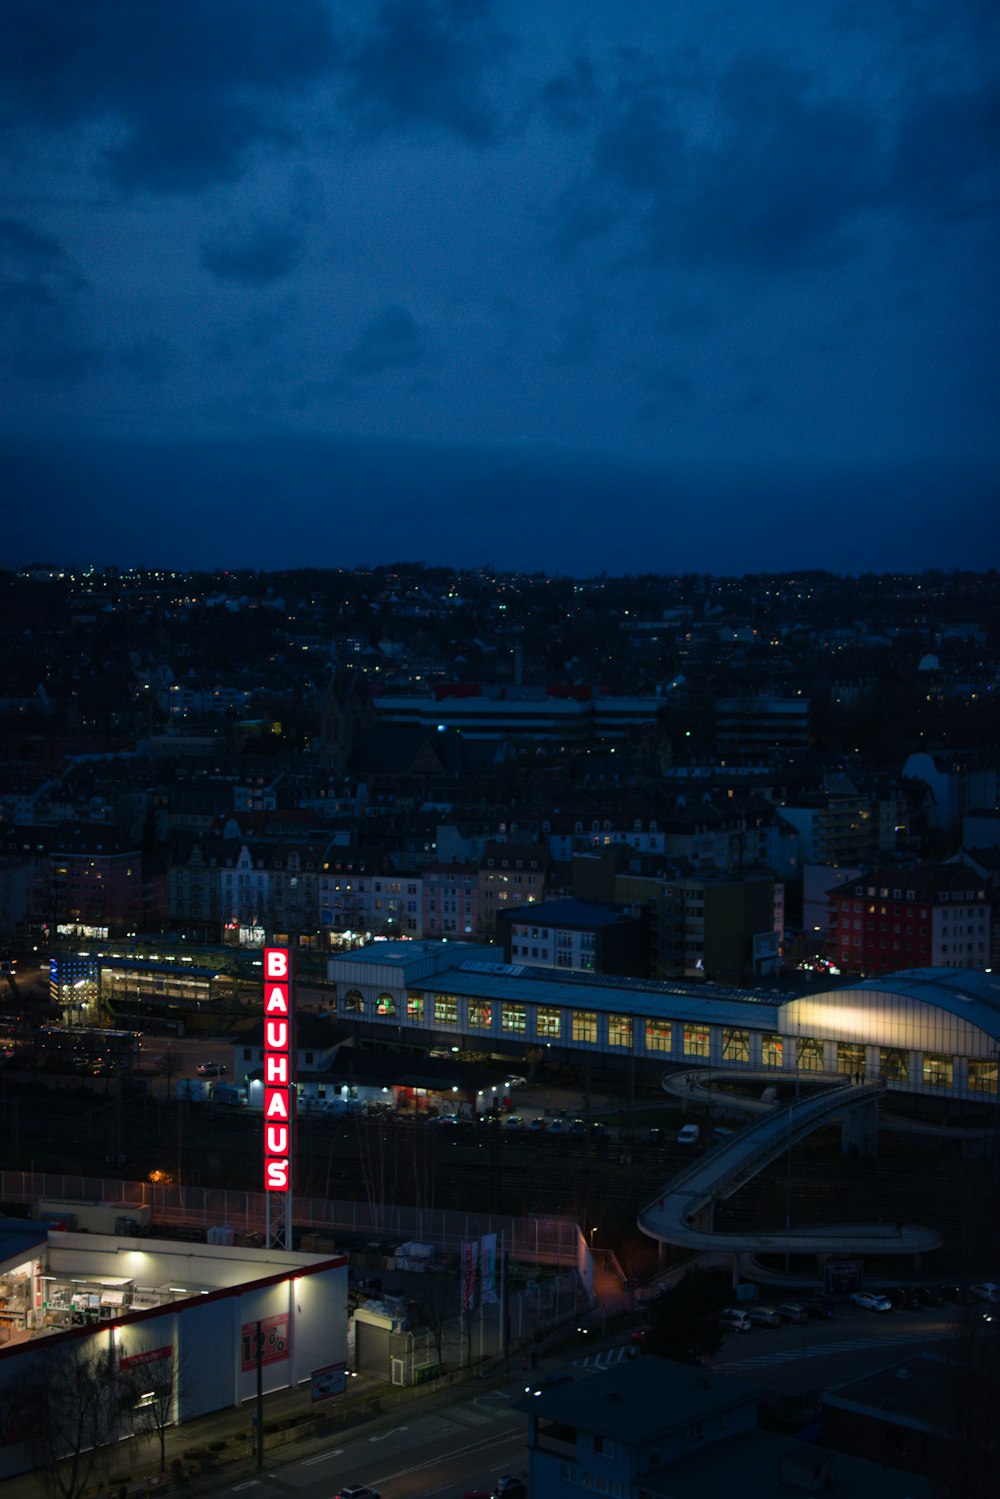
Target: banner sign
[(470, 1261), (329, 1381), (273, 1341), (488, 1270), (151, 1356)]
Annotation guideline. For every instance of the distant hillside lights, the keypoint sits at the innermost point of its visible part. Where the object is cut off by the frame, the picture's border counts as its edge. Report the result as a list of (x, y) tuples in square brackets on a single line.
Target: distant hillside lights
[(278, 1055)]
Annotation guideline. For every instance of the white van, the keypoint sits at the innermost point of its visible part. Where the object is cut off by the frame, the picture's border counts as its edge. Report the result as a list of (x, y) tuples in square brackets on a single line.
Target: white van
[(688, 1135)]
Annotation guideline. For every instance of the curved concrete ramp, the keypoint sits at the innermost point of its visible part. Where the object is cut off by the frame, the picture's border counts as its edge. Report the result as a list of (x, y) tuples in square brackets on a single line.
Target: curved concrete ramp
[(682, 1213)]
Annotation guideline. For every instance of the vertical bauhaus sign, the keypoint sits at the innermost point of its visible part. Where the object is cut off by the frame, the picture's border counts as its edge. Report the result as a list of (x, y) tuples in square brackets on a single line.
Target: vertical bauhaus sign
[(279, 1068)]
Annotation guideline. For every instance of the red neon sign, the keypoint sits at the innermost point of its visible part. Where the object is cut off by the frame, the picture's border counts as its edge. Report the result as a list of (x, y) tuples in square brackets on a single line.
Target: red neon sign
[(279, 1054)]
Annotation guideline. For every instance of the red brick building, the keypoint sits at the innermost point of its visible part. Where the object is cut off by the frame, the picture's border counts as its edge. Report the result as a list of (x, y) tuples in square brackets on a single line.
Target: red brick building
[(929, 916)]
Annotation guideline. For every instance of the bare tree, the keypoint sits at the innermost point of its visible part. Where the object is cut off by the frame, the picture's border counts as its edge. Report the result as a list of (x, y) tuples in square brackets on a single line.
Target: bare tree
[(70, 1413), (150, 1391)]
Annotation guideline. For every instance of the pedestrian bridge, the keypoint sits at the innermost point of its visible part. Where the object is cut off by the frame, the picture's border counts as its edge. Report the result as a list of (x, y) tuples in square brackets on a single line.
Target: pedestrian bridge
[(682, 1212)]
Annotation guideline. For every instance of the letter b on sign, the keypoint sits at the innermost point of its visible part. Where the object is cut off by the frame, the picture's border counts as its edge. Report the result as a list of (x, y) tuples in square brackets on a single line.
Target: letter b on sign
[(275, 963)]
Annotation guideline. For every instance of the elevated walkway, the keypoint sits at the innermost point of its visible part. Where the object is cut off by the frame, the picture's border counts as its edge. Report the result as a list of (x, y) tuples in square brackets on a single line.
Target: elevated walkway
[(682, 1213)]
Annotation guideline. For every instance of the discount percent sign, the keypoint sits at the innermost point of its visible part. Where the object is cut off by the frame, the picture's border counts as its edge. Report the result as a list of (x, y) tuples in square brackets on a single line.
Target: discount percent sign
[(273, 1341)]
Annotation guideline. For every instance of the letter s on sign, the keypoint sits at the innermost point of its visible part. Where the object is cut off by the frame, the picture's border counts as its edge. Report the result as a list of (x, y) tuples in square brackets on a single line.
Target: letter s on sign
[(276, 1176)]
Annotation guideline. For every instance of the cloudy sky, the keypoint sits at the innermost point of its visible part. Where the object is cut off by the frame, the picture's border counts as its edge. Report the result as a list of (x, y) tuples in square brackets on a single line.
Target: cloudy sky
[(573, 285)]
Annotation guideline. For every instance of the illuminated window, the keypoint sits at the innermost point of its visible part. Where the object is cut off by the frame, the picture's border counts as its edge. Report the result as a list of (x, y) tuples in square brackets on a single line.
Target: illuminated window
[(480, 1015), (893, 1064), (619, 1030), (658, 1035), (415, 1006), (850, 1058), (772, 1050), (809, 1054), (548, 1021), (696, 1040), (735, 1044), (583, 1026), (938, 1070), (354, 1002), (513, 1019), (982, 1076), (445, 1009), (385, 1005)]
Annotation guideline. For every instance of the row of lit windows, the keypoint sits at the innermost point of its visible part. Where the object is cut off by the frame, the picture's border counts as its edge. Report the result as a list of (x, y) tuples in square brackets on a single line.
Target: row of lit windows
[(808, 1053)]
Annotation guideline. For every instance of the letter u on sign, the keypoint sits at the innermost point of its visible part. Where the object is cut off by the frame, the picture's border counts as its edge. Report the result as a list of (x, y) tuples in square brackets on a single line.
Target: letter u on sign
[(276, 1035)]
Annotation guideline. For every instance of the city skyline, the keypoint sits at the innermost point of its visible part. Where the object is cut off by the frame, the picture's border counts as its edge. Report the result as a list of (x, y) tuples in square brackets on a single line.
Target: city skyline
[(706, 289)]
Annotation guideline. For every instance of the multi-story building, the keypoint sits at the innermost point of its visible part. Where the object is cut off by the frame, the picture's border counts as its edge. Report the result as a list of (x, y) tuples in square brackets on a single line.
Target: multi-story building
[(450, 899), (928, 916), (577, 936), (96, 881), (510, 874)]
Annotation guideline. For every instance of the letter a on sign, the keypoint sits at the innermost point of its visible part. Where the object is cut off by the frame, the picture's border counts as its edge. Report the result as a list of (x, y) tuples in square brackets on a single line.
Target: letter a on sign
[(276, 999)]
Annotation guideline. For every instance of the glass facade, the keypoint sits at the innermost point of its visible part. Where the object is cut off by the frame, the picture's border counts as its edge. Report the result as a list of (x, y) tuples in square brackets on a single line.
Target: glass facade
[(415, 1006), (480, 1015), (354, 1002), (385, 1005)]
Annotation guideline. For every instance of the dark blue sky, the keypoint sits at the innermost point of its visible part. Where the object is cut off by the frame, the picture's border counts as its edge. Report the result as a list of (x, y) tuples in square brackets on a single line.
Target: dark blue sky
[(542, 283)]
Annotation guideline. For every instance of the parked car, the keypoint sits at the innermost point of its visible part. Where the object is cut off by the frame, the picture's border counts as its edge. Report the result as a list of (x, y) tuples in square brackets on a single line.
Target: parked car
[(578, 1127), (870, 1301), (818, 1309), (210, 1069), (959, 1295), (688, 1134), (793, 1311), (359, 1491), (598, 1131), (905, 1297), (513, 1121), (986, 1290), (537, 1125), (929, 1296), (653, 1136), (546, 1383), (510, 1486), (735, 1319), (764, 1316), (557, 1127), (515, 1081)]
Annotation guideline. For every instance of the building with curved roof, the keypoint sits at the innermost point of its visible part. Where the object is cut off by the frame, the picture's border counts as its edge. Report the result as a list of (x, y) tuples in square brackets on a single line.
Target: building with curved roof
[(934, 1032)]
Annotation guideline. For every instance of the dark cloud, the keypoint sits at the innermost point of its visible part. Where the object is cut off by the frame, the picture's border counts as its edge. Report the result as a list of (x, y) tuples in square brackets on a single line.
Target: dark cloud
[(569, 99), (189, 88), (946, 160), (254, 256), (40, 333), (391, 340), (148, 359), (778, 183), (579, 338), (423, 65)]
